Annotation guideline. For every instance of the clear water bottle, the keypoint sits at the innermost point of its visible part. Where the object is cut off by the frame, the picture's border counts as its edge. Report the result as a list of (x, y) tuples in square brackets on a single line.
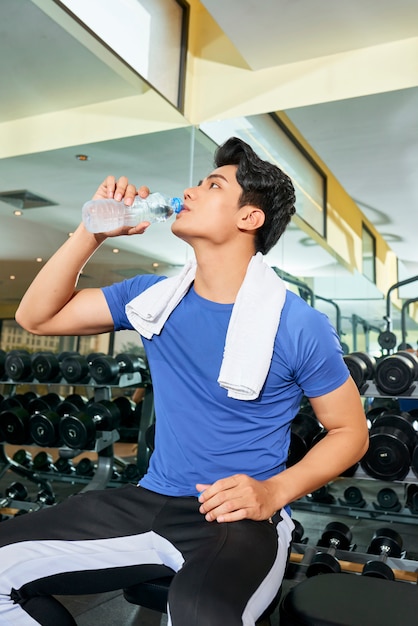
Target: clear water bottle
[(101, 216)]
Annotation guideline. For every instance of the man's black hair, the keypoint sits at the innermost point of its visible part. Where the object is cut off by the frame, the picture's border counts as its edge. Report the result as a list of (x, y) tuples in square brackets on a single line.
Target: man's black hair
[(264, 185)]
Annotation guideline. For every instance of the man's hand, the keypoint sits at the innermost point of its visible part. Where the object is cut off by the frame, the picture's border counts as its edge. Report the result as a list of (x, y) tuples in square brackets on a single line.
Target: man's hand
[(237, 497), (122, 190)]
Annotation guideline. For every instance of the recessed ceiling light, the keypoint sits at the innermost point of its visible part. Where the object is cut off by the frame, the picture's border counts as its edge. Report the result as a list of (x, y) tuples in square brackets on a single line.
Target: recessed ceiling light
[(17, 212), (12, 277), (155, 264), (39, 259), (115, 250)]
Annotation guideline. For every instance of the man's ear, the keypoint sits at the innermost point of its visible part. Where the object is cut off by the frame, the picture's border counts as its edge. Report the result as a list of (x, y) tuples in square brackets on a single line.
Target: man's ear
[(251, 218)]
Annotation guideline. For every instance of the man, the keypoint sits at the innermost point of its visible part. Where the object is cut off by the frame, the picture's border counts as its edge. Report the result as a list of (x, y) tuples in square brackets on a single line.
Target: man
[(213, 505)]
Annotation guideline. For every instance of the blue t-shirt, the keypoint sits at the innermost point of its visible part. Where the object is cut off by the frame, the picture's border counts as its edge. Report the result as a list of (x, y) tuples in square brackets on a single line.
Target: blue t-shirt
[(202, 434)]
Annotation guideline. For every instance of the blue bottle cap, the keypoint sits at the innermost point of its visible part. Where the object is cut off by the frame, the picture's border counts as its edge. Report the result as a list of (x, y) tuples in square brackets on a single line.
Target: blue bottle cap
[(177, 204)]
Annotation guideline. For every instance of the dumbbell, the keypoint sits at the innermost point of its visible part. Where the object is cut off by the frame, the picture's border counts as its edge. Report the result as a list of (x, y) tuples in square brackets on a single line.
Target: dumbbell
[(2, 362), (43, 462), (85, 467), (391, 441), (18, 366), (361, 367), (322, 495), (64, 465), (44, 420), (387, 500), (14, 419), (105, 369), (336, 536), (75, 369), (71, 405), (46, 367), (131, 473), (45, 498), (304, 429), (23, 457), (15, 491), (395, 373), (353, 497), (385, 543), (79, 431)]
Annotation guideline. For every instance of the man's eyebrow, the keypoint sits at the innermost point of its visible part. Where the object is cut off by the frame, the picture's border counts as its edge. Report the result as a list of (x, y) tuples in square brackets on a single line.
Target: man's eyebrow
[(210, 176)]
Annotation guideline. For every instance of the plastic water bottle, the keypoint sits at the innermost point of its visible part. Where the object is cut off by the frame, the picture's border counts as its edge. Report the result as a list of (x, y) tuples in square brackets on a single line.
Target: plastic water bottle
[(101, 216)]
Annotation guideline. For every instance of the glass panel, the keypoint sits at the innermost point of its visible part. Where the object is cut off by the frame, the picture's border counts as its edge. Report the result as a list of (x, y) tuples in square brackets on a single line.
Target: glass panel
[(368, 254), (147, 34)]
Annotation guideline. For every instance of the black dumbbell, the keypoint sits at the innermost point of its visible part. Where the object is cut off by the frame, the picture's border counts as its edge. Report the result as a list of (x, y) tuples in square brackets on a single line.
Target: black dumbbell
[(2, 362), (43, 462), (75, 369), (79, 431), (131, 473), (45, 498), (16, 491), (18, 366), (395, 373), (385, 543), (336, 536), (44, 420), (104, 369), (126, 409), (85, 467), (321, 495), (46, 367), (23, 457), (361, 367), (14, 420), (304, 429), (64, 465), (387, 500), (353, 498), (391, 441), (71, 405), (132, 364)]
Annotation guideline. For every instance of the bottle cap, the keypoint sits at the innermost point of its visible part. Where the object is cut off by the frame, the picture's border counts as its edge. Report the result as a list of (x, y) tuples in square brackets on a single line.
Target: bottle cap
[(177, 204)]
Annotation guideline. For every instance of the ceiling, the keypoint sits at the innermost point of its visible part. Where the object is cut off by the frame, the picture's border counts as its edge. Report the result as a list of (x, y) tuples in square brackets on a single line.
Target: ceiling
[(368, 140)]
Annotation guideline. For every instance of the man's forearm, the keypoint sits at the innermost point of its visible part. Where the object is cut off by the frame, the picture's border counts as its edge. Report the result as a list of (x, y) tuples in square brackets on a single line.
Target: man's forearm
[(55, 284)]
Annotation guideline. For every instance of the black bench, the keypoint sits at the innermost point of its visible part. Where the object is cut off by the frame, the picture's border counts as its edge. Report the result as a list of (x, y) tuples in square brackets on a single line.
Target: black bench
[(349, 600)]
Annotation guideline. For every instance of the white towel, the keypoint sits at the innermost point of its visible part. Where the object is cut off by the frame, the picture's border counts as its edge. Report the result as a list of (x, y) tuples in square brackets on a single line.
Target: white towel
[(252, 328)]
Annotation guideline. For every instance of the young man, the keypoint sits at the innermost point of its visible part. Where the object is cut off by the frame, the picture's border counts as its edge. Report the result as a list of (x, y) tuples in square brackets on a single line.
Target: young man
[(231, 355)]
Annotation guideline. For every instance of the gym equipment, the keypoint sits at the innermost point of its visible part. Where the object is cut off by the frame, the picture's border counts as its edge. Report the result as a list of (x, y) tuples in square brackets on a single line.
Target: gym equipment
[(414, 460), (386, 542), (336, 536), (79, 431), (18, 366), (348, 600), (43, 462), (106, 370), (44, 420), (131, 473), (387, 500), (396, 373), (387, 340), (75, 368), (46, 367), (71, 405), (2, 362), (14, 420), (304, 429), (321, 495), (391, 442), (64, 465), (15, 491), (361, 367), (45, 498), (23, 457), (353, 497), (85, 467)]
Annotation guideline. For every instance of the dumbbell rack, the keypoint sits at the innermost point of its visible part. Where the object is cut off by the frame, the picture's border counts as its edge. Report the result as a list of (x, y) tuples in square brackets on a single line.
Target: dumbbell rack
[(351, 561), (404, 515), (104, 442)]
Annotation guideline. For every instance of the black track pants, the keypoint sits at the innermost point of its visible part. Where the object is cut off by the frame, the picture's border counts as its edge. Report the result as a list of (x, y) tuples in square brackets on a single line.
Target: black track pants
[(97, 541)]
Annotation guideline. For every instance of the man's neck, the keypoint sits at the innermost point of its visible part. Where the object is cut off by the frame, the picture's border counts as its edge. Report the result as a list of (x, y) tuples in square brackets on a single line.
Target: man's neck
[(219, 275)]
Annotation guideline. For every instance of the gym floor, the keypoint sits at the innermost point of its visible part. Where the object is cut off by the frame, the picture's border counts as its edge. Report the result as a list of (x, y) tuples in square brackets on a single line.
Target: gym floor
[(112, 608)]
